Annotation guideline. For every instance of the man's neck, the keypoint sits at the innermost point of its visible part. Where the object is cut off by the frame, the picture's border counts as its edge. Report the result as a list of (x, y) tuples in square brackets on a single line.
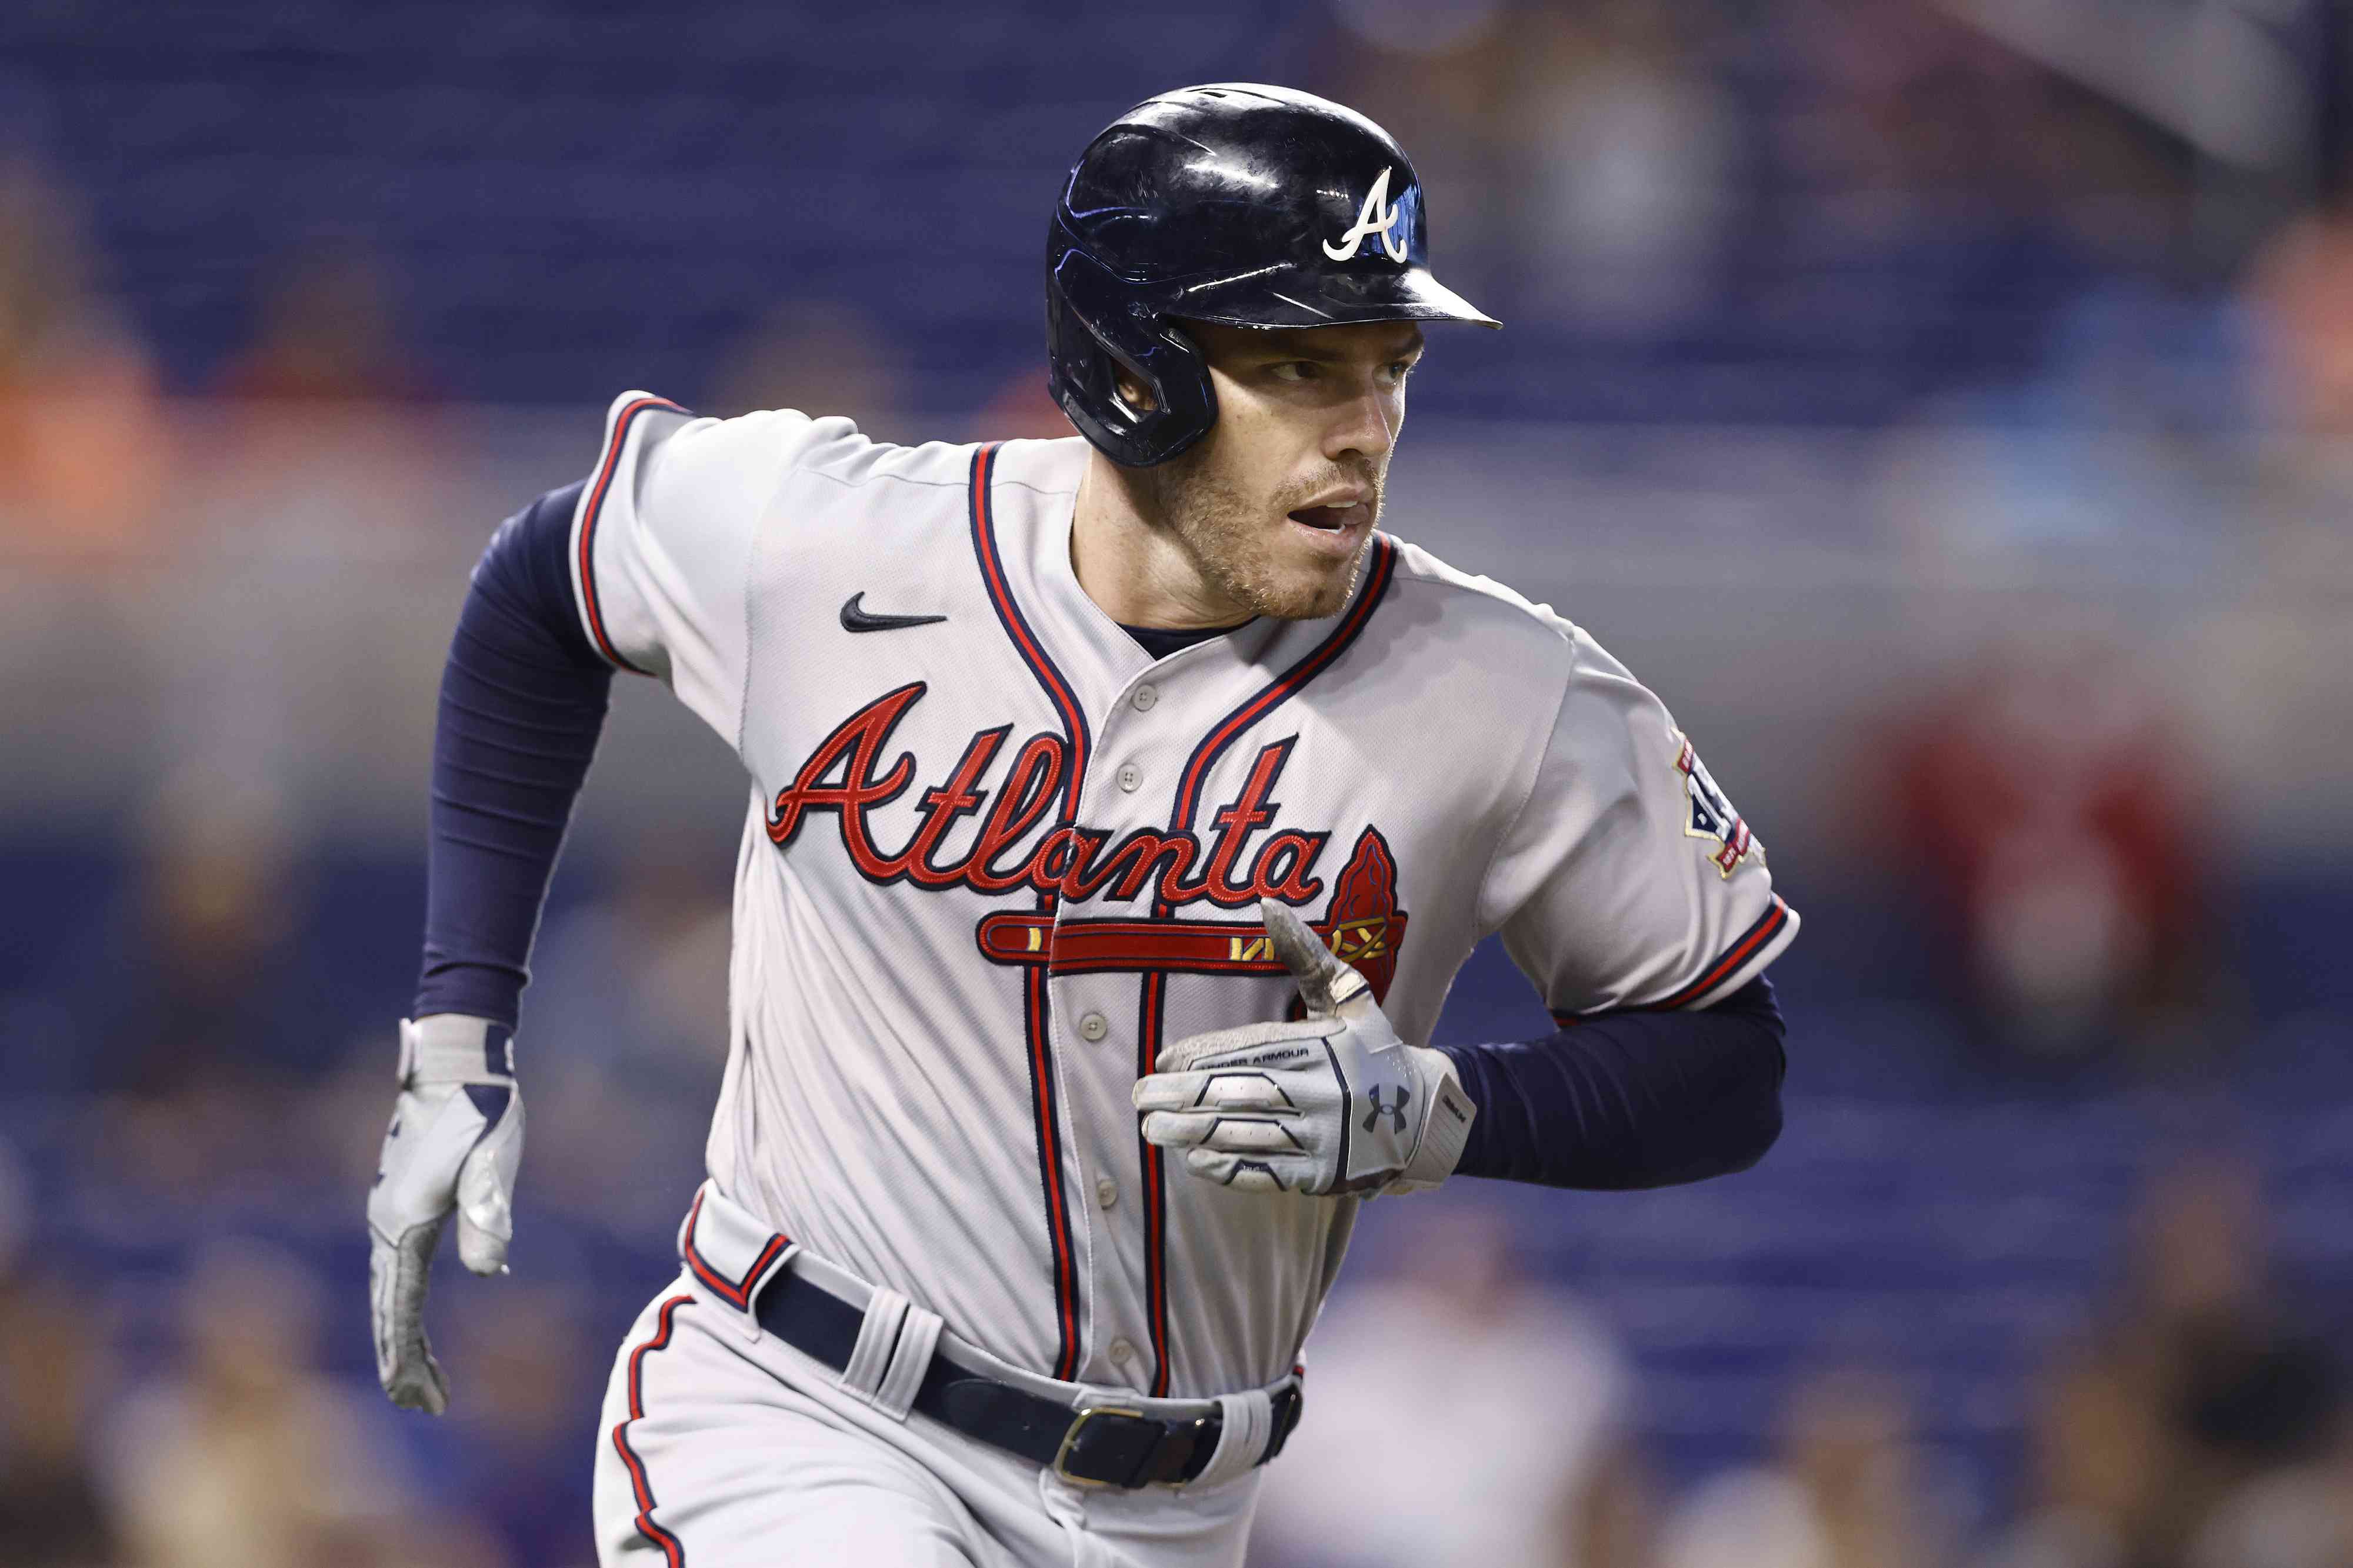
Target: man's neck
[(1133, 567)]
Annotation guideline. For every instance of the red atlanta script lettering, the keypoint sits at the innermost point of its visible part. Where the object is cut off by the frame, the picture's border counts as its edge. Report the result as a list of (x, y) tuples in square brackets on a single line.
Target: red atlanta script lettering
[(845, 776)]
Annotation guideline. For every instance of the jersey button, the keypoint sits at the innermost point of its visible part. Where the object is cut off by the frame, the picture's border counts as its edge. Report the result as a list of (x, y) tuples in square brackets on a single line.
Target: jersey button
[(1093, 1027), (1122, 1352), (1106, 1191), (1131, 777), (1144, 699)]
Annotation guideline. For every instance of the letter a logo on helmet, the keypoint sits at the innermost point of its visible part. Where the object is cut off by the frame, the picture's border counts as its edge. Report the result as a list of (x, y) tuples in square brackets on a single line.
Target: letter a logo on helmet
[(1377, 218)]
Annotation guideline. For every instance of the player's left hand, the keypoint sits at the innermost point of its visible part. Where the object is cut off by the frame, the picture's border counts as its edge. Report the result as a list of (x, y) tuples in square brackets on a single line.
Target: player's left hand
[(1333, 1103)]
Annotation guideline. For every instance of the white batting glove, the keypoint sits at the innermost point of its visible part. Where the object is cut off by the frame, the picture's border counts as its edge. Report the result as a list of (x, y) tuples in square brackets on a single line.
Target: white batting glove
[(1334, 1102), (455, 1144)]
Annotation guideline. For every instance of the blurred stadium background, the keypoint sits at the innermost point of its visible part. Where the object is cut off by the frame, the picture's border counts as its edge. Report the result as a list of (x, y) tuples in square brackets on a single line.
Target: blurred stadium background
[(1945, 406)]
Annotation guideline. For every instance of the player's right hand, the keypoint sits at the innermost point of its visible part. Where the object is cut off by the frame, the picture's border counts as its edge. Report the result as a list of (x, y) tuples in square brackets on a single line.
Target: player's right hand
[(1274, 1107), (454, 1146)]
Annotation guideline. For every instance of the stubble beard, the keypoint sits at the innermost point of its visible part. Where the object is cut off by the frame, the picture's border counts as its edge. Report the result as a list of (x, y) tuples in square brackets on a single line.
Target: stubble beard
[(1233, 547)]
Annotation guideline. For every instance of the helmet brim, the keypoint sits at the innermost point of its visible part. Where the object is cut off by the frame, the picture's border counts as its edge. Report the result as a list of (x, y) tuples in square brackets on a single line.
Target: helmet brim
[(1314, 297)]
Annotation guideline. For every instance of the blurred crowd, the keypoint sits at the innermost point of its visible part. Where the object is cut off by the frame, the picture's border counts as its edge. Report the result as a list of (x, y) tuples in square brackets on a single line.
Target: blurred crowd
[(2078, 346), (1864, 212)]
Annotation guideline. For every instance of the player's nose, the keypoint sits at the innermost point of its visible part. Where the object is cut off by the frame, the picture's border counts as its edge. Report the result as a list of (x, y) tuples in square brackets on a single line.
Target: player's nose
[(1365, 425)]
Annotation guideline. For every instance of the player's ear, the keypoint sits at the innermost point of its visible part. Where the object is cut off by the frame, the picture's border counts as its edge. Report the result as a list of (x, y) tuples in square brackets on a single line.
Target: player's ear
[(1132, 391)]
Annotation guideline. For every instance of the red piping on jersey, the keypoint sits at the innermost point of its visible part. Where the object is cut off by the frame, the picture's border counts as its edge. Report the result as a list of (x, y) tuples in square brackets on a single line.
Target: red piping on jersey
[(1379, 571), (1037, 1008), (1017, 627), (1155, 1185), (737, 1293), (673, 1552), (1746, 946), (589, 516)]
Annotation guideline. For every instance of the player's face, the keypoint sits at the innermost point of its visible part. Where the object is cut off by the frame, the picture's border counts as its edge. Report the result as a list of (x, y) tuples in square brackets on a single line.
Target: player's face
[(1276, 505)]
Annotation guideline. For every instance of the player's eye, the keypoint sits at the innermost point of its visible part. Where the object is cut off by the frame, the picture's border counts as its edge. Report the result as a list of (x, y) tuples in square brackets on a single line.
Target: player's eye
[(1295, 370)]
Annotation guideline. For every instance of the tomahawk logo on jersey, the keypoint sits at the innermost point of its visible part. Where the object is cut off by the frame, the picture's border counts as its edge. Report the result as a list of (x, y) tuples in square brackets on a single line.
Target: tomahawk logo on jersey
[(998, 857)]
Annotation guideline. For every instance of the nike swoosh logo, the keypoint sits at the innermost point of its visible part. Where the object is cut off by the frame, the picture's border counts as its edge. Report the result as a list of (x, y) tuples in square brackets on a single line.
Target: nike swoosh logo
[(856, 619)]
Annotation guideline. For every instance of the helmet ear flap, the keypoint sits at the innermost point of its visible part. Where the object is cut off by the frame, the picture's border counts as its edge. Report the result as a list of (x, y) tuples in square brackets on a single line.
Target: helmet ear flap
[(1096, 327)]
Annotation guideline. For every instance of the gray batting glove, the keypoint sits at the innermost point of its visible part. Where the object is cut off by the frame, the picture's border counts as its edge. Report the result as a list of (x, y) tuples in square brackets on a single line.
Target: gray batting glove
[(1334, 1102), (455, 1144)]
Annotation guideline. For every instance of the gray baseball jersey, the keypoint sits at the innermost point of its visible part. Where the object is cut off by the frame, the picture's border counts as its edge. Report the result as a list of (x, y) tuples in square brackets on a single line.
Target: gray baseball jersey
[(998, 856)]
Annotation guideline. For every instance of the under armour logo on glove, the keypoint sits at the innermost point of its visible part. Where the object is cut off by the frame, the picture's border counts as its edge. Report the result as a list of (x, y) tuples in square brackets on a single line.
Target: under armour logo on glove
[(1373, 1116), (1272, 1107)]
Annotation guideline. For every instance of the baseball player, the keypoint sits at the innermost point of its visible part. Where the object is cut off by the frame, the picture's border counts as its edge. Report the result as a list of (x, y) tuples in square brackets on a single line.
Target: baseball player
[(1121, 808)]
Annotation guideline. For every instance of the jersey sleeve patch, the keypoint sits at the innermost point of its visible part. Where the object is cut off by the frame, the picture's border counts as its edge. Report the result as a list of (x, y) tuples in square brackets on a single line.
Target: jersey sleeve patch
[(1748, 954), (1710, 815)]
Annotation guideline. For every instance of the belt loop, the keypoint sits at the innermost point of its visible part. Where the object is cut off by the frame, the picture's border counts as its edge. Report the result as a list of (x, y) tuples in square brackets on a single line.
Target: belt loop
[(894, 1347), (894, 1395), (1247, 1424), (878, 1336)]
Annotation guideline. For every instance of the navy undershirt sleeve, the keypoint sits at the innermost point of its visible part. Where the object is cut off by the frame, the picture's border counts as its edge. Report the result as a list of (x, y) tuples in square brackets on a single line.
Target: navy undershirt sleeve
[(1629, 1099), (522, 702)]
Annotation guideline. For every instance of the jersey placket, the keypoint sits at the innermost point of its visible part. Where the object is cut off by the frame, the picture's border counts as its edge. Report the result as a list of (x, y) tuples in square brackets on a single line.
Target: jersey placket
[(1084, 1056), (1380, 567), (1107, 1018), (1094, 1014)]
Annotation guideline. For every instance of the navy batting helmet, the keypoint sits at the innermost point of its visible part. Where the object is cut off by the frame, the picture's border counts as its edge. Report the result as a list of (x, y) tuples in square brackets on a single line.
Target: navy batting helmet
[(1242, 205)]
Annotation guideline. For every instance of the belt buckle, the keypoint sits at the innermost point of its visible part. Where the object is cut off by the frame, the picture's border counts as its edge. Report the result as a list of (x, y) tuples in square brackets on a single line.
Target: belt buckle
[(1078, 1424), (1158, 1456), (1069, 1439)]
